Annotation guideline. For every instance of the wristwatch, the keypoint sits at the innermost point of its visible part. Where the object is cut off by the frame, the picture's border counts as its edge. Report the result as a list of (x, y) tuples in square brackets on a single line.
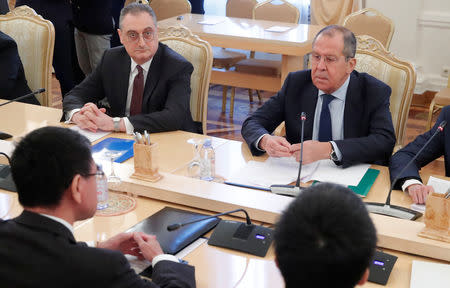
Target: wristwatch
[(333, 155), (116, 121)]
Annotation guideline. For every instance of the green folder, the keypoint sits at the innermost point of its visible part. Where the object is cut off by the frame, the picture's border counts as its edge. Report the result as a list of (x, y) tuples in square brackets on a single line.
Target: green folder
[(365, 184)]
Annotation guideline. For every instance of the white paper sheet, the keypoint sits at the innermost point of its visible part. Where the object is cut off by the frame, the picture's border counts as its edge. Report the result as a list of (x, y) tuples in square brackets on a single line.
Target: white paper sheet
[(428, 274), (439, 185), (211, 21), (7, 147), (330, 172), (92, 136), (278, 29)]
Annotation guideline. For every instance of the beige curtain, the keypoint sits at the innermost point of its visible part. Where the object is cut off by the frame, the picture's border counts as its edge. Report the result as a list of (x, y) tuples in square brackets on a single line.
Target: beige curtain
[(327, 12)]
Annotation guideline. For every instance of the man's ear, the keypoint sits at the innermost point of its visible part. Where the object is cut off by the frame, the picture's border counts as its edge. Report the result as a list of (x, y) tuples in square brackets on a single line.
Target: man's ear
[(120, 35), (351, 65), (364, 277), (76, 188)]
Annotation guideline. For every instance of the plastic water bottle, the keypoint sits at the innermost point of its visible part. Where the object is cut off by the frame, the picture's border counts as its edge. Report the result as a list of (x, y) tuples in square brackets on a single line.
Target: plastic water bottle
[(207, 161)]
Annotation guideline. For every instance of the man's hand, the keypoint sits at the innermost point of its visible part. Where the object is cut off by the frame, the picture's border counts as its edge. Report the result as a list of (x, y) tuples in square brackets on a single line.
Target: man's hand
[(419, 192), (97, 116), (275, 146), (148, 245), (312, 151), (123, 242)]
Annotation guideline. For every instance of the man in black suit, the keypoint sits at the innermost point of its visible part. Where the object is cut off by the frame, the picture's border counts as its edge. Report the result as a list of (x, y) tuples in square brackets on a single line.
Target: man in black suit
[(56, 177), (410, 180), (355, 126), (12, 76), (325, 238), (4, 8), (146, 83)]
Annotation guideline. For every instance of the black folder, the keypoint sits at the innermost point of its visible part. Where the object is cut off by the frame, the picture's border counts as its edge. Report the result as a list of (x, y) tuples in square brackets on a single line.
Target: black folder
[(173, 241)]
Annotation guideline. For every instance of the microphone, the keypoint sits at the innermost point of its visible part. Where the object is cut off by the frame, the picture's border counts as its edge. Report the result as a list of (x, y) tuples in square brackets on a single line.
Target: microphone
[(397, 211), (245, 237), (176, 226), (290, 190), (4, 135)]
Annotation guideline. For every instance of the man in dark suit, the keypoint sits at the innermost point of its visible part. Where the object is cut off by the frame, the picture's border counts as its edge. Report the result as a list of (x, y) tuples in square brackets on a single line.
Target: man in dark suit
[(4, 8), (325, 238), (347, 113), (146, 83), (410, 180), (56, 180), (12, 76)]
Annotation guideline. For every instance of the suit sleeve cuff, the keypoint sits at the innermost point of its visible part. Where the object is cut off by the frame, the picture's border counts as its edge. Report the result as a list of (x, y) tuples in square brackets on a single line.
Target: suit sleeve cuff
[(410, 182), (162, 257), (69, 115), (337, 151), (257, 143), (128, 126)]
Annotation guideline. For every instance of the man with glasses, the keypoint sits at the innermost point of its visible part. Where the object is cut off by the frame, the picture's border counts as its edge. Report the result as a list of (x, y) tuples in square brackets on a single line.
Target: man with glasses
[(55, 177), (146, 83), (347, 113)]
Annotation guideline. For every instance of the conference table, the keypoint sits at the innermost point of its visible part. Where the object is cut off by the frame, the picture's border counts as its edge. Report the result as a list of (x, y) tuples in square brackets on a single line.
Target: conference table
[(218, 267), (252, 35)]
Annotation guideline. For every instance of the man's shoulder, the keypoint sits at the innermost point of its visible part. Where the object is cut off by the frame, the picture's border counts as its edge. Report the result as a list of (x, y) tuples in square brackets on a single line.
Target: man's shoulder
[(367, 79)]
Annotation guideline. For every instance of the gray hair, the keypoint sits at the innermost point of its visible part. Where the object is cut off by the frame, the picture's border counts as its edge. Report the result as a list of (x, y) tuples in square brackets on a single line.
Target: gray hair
[(349, 39), (134, 9)]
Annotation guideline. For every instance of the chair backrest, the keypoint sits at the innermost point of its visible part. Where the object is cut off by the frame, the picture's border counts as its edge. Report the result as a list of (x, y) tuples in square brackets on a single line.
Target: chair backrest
[(132, 1), (199, 53), (169, 8), (35, 39), (371, 22), (276, 10), (240, 8), (374, 59)]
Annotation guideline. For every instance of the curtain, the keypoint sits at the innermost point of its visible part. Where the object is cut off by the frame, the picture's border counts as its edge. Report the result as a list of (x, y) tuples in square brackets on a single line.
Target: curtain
[(327, 12)]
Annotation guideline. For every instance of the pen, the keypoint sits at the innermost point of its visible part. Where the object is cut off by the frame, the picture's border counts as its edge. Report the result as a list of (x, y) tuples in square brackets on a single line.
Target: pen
[(147, 137), (447, 194)]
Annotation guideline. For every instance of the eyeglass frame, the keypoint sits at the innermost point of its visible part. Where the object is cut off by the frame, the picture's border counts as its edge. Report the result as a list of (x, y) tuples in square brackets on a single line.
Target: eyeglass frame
[(326, 60), (99, 173)]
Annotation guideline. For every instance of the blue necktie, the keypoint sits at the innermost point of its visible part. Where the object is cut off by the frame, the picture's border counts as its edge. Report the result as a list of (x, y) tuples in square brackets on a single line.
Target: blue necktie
[(325, 119)]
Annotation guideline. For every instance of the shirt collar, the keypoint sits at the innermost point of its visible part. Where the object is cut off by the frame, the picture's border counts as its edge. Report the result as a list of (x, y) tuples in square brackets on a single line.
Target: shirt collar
[(145, 66), (341, 92), (60, 220)]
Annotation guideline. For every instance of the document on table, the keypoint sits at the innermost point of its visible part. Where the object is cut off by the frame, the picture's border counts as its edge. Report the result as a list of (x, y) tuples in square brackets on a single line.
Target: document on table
[(428, 274), (7, 147), (278, 29), (284, 170), (92, 136), (211, 21)]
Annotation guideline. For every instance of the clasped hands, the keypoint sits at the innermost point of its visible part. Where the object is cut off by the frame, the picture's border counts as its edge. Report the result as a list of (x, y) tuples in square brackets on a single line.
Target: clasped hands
[(276, 146), (92, 118), (137, 244)]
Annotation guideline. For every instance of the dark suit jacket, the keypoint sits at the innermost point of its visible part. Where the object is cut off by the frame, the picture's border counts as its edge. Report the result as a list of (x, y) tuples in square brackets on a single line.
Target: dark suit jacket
[(12, 77), (436, 148), (4, 8), (166, 101), (369, 135), (93, 17), (38, 251)]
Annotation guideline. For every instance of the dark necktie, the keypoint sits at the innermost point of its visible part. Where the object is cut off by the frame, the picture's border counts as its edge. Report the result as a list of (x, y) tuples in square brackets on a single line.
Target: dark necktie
[(138, 91), (325, 119)]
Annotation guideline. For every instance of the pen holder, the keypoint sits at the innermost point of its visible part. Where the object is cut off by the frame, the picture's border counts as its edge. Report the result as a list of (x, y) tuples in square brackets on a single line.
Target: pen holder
[(146, 162), (437, 218)]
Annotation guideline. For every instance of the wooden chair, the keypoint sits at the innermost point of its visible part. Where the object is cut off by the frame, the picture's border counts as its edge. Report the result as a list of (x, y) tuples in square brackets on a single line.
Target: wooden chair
[(169, 8), (374, 59), (199, 53), (35, 39), (267, 10), (226, 59), (440, 100), (371, 22)]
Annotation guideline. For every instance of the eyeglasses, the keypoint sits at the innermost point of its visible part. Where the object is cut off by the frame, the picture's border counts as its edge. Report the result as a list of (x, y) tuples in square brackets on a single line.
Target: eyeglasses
[(327, 60), (134, 36), (99, 173)]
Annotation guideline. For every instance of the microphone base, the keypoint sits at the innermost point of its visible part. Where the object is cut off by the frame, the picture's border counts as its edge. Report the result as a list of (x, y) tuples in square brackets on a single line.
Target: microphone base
[(392, 211), (252, 239), (286, 190)]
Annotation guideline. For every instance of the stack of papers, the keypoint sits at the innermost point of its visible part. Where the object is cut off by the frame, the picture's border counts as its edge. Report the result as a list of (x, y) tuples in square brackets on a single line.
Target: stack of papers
[(427, 274), (284, 170)]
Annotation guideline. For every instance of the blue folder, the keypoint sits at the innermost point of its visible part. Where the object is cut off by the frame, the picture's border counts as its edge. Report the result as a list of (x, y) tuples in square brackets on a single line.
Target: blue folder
[(123, 146)]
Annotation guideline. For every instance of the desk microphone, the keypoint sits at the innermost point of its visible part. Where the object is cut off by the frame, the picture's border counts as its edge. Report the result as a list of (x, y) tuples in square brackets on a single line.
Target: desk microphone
[(397, 211), (290, 190), (245, 237), (4, 135)]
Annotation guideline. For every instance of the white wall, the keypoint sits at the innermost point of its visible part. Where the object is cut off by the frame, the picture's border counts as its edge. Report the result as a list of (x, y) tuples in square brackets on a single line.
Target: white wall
[(422, 36)]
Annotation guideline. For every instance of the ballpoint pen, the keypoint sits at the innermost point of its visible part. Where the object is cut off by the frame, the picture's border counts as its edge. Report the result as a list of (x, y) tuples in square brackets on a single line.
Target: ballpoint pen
[(147, 137)]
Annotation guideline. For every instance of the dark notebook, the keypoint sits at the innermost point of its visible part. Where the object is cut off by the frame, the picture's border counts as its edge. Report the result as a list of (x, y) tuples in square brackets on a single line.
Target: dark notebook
[(173, 241)]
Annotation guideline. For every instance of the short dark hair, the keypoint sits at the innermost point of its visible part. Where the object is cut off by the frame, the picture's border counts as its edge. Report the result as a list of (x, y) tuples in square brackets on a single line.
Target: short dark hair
[(136, 8), (325, 238), (45, 162), (349, 39)]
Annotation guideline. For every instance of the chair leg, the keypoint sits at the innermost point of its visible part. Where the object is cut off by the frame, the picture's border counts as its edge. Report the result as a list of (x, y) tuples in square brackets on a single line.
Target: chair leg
[(233, 92), (430, 115), (224, 98), (259, 95), (250, 95)]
